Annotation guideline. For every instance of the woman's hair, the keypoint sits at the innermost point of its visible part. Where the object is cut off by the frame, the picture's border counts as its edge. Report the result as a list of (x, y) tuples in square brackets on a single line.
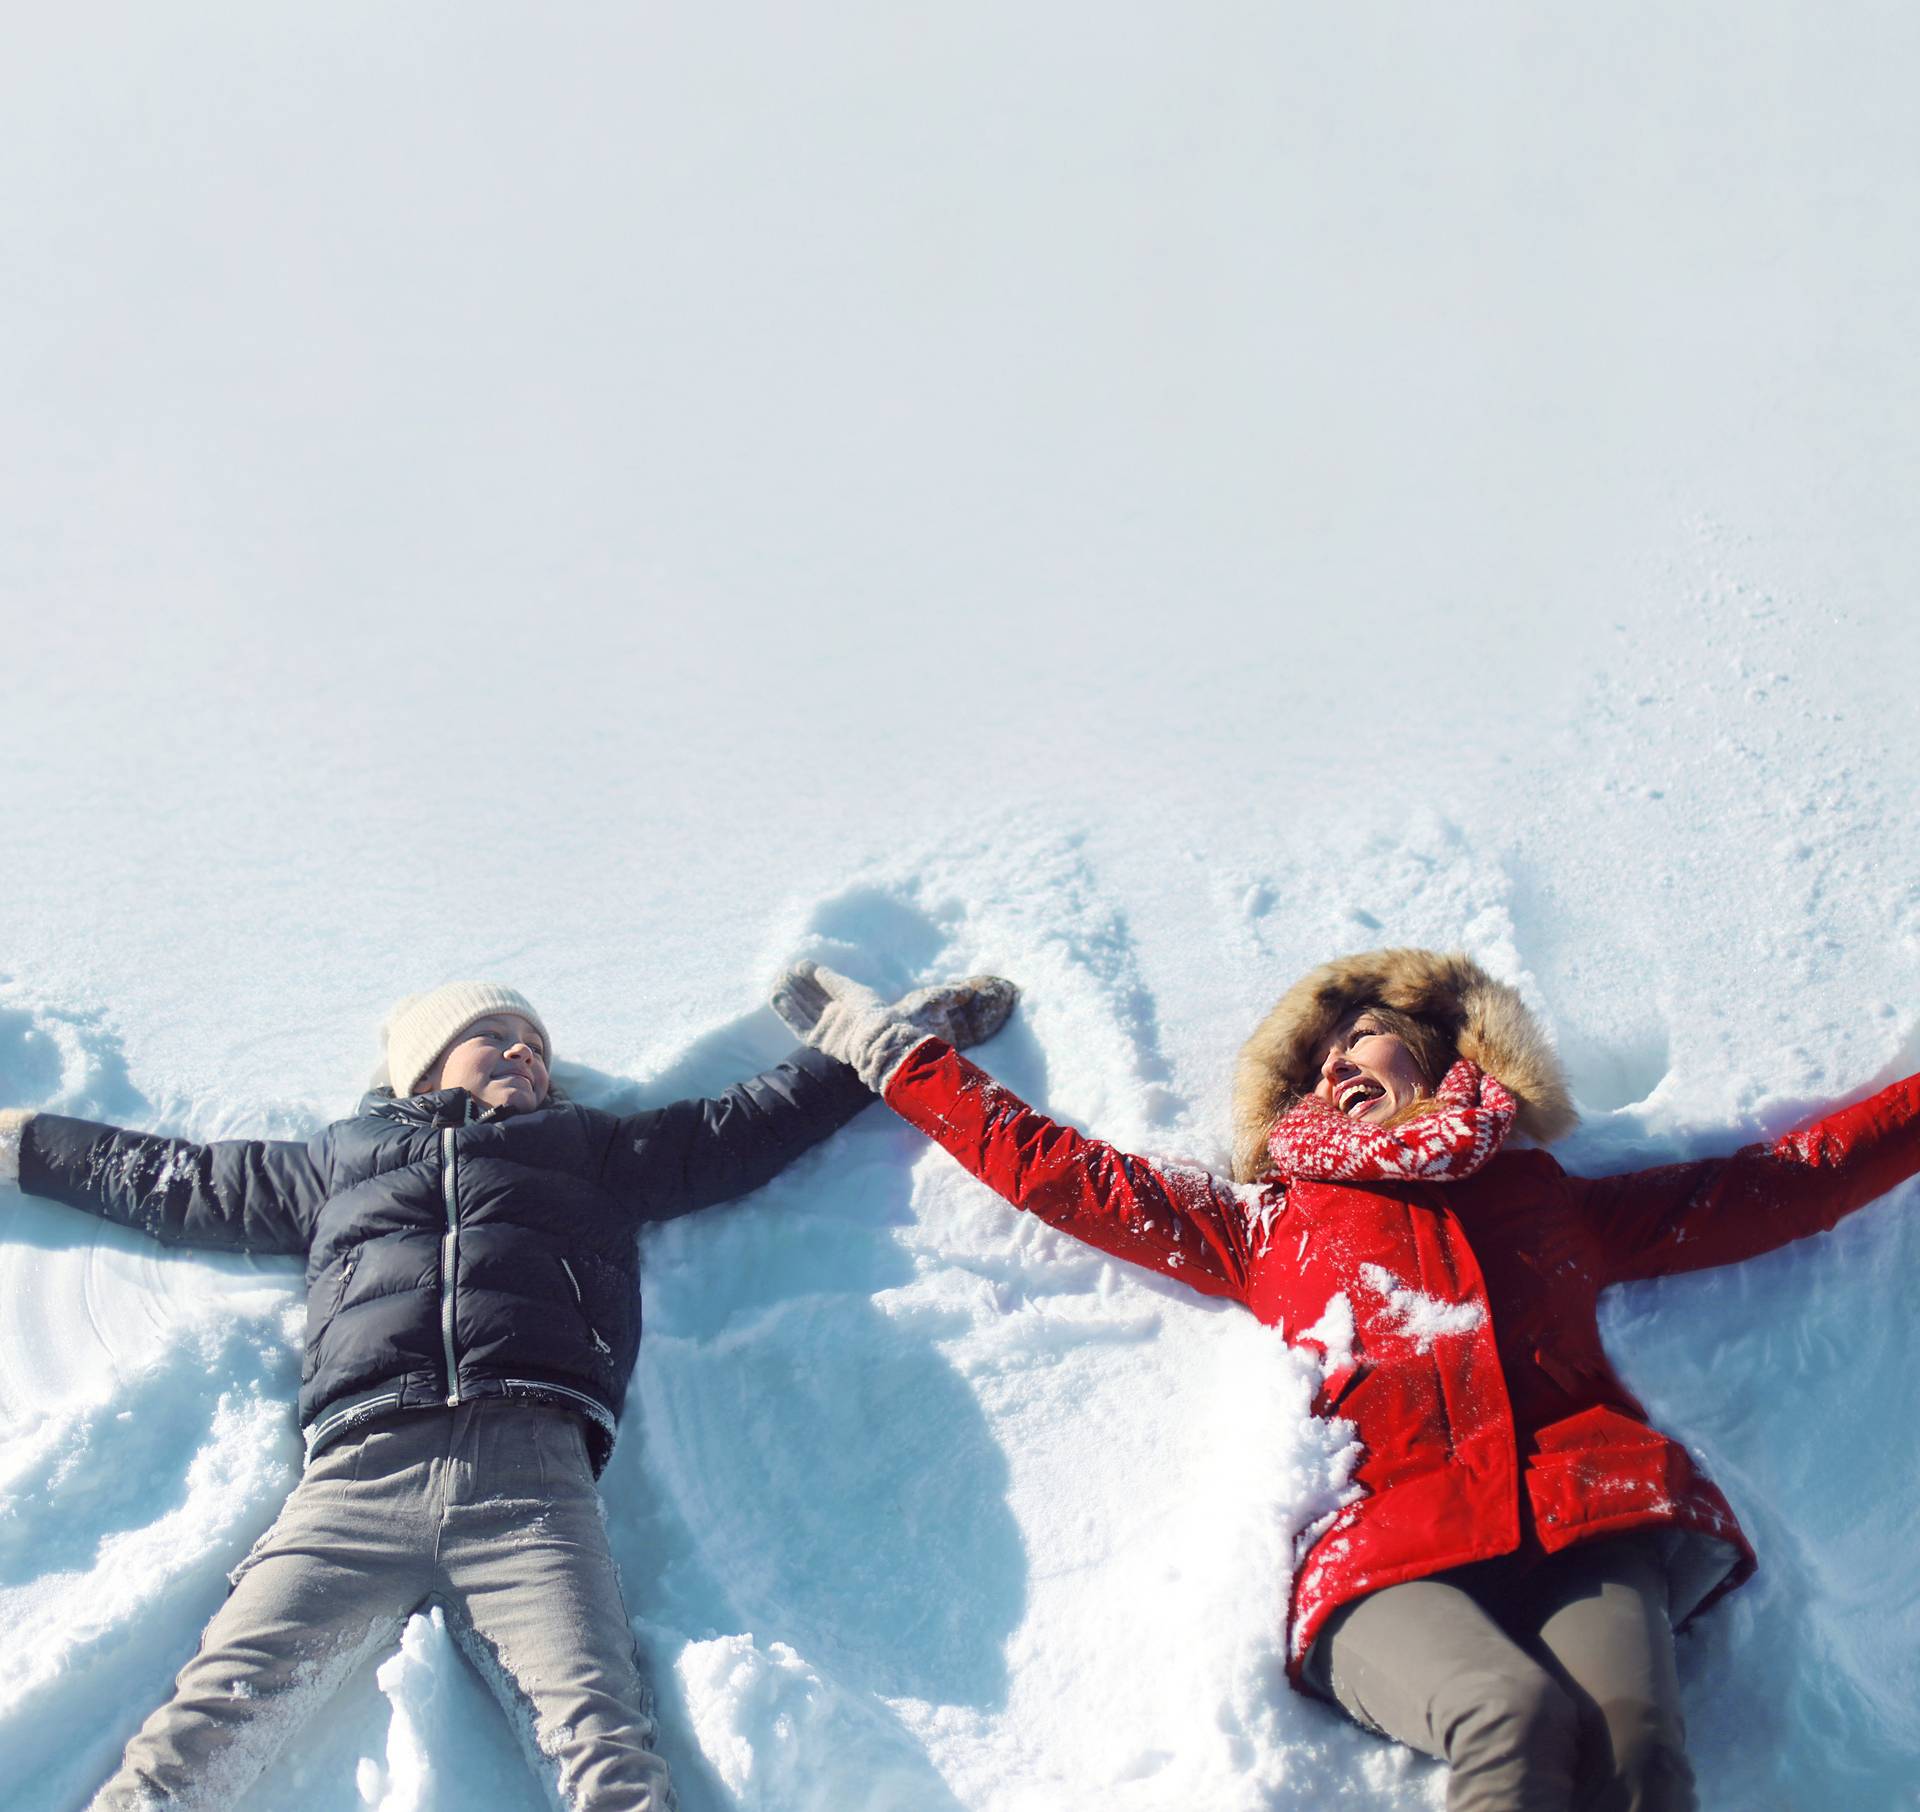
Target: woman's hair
[(1432, 1051)]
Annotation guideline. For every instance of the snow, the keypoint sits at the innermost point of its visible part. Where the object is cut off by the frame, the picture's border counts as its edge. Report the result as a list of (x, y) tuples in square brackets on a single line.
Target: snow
[(1139, 500), (1423, 1318)]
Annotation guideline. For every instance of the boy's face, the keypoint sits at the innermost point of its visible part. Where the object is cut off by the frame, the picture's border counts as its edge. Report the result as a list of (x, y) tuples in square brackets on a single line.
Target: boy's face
[(498, 1060)]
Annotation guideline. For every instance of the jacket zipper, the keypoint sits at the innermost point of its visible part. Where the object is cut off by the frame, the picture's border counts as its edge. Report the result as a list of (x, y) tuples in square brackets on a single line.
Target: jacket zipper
[(449, 1257)]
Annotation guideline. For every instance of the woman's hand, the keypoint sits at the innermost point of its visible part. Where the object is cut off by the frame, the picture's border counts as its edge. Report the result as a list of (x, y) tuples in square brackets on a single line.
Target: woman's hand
[(849, 1021)]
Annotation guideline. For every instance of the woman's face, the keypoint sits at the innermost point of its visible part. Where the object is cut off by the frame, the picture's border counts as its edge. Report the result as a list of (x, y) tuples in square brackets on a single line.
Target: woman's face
[(1367, 1072)]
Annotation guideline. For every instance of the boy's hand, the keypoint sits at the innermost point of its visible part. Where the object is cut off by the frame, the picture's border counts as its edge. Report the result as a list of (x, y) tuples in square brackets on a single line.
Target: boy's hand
[(13, 1122), (851, 1022)]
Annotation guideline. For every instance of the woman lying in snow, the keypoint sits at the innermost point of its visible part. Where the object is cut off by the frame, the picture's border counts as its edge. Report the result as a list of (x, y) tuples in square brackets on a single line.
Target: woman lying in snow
[(473, 1313), (1503, 1586)]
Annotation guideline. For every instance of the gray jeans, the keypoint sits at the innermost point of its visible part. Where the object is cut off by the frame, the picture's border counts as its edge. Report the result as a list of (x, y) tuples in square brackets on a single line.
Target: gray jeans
[(1543, 1689), (490, 1509)]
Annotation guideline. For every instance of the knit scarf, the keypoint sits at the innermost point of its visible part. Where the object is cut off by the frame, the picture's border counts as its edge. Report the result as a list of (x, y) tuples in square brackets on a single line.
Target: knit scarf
[(1470, 1119)]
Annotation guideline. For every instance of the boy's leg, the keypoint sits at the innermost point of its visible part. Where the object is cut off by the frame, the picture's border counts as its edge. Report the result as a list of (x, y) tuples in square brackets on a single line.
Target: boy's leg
[(536, 1599), (1602, 1610), (327, 1583)]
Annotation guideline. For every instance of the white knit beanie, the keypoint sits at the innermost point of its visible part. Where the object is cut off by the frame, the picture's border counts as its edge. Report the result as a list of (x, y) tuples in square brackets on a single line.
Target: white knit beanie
[(423, 1025)]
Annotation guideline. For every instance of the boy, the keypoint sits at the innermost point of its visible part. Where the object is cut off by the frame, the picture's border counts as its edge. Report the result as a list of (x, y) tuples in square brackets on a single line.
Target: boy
[(473, 1314)]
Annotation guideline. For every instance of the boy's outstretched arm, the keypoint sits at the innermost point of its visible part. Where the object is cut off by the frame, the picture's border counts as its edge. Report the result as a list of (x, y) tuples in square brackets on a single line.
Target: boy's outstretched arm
[(693, 1154), (249, 1195)]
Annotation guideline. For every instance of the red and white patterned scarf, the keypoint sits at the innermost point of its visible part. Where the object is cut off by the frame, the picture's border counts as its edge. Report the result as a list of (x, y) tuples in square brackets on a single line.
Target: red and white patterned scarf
[(1470, 1121)]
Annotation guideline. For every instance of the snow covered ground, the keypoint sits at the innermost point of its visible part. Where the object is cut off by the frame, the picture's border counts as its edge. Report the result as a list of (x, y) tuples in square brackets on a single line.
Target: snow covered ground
[(1138, 498)]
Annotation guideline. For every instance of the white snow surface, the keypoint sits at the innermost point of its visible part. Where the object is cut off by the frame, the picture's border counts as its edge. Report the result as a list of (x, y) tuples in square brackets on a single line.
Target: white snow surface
[(1139, 499)]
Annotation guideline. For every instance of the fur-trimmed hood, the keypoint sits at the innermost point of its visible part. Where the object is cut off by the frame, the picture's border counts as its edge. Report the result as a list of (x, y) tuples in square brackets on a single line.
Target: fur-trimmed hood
[(1485, 1020)]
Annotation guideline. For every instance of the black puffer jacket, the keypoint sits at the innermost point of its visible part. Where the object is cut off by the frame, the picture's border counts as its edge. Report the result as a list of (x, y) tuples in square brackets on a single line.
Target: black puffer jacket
[(454, 1252)]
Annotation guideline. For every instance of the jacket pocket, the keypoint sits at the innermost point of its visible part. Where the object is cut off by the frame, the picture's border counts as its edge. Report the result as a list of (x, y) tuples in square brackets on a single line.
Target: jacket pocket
[(1338, 1385), (580, 1302), (317, 1329)]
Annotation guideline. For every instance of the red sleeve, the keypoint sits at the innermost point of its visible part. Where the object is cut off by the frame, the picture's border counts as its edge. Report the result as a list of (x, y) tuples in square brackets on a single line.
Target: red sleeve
[(1184, 1223), (1687, 1217)]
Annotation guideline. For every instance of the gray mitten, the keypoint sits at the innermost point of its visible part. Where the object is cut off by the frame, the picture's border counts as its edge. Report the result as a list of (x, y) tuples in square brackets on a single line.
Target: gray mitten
[(849, 1021), (13, 1122)]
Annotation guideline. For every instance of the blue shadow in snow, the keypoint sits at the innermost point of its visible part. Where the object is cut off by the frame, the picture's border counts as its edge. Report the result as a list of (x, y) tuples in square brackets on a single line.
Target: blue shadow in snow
[(32, 1073), (29, 1061), (821, 1475)]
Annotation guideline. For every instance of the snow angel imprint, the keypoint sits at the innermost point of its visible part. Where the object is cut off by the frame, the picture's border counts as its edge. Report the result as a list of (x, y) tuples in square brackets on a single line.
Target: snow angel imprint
[(1503, 1589)]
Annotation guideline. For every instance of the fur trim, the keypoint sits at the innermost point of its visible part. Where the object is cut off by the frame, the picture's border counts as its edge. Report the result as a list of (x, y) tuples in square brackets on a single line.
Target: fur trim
[(1484, 1020)]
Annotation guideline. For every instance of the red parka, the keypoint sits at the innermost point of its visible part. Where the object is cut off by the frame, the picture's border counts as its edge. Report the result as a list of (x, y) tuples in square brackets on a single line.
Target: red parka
[(1489, 1417)]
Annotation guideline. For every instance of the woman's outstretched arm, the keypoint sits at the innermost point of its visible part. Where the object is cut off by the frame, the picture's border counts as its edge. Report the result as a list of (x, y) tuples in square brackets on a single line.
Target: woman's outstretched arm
[(1184, 1223), (250, 1195), (1687, 1217)]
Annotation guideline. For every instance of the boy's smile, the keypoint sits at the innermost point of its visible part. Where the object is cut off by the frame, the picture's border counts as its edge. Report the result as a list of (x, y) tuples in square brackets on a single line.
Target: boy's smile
[(500, 1061)]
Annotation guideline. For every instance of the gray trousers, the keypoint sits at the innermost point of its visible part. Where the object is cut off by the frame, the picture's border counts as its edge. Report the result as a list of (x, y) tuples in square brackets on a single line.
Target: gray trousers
[(490, 1509), (1543, 1689)]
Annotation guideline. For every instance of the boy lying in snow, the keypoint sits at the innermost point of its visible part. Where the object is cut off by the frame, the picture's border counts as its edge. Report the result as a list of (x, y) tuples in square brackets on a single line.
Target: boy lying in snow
[(473, 1314)]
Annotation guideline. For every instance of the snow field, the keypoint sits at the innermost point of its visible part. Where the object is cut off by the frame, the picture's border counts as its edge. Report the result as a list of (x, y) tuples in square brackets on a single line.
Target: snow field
[(1138, 499), (922, 1504)]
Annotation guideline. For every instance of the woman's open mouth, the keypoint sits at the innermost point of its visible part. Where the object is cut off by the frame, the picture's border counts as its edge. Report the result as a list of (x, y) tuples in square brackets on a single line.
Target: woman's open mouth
[(1355, 1096)]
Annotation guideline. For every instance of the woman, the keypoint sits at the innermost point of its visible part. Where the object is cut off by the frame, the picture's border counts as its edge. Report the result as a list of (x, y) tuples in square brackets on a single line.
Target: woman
[(1502, 1587)]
